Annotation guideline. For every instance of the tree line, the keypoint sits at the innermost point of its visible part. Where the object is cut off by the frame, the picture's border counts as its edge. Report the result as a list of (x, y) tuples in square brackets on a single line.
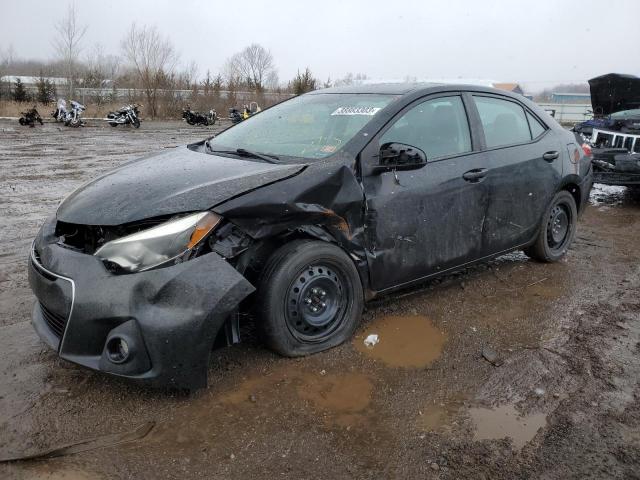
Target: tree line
[(148, 66)]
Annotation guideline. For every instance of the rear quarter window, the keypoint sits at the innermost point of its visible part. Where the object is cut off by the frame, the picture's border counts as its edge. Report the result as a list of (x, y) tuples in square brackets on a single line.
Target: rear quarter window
[(504, 122), (537, 128)]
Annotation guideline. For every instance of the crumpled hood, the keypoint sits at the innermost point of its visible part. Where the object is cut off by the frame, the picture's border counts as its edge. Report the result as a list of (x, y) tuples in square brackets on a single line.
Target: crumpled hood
[(174, 181), (614, 92)]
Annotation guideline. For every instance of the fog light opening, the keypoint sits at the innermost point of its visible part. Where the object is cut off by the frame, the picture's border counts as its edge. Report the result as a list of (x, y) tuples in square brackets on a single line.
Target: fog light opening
[(117, 350)]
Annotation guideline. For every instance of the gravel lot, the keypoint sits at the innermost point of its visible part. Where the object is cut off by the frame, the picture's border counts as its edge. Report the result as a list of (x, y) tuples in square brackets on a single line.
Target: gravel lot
[(564, 401)]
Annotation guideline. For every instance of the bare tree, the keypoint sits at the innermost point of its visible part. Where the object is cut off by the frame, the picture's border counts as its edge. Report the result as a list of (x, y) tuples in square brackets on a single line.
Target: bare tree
[(67, 44), (107, 65), (272, 82), (100, 71), (191, 73), (153, 58), (252, 66)]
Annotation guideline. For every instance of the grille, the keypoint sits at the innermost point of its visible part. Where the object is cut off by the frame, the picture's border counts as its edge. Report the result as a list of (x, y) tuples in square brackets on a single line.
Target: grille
[(56, 322)]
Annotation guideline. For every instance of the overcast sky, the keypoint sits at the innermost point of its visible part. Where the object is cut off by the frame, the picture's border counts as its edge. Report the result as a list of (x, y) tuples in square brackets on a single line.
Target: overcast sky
[(536, 42)]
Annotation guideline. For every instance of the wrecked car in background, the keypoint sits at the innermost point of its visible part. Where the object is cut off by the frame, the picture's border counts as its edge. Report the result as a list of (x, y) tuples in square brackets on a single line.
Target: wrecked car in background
[(299, 215), (614, 132)]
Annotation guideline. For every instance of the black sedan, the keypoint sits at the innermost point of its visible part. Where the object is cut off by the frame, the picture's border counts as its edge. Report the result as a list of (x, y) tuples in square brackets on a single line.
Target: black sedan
[(299, 215)]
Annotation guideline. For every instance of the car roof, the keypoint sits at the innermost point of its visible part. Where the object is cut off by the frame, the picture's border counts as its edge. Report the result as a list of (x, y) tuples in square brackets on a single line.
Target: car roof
[(405, 88), (379, 88)]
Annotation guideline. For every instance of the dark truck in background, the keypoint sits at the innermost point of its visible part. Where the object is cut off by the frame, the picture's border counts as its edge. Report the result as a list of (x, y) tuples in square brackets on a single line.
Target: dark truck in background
[(614, 132)]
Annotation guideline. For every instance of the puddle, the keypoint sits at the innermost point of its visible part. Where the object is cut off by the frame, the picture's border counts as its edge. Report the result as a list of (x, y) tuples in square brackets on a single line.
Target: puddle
[(404, 341), (505, 421)]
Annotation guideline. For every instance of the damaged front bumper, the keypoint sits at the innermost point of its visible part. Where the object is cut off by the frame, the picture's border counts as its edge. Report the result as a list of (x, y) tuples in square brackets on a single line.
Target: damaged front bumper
[(168, 318)]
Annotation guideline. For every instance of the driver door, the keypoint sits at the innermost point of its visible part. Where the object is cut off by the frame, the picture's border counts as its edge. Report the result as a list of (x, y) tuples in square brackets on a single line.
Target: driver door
[(423, 221)]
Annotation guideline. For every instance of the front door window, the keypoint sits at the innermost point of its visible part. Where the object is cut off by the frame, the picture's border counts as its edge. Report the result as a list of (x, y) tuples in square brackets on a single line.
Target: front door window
[(439, 127)]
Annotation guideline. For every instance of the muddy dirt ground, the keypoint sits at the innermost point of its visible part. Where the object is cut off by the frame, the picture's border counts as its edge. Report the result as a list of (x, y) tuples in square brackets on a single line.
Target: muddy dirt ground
[(562, 402)]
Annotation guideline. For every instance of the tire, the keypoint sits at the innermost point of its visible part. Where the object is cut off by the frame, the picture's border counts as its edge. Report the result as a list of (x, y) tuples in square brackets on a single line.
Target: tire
[(557, 229), (301, 276), (113, 124), (136, 123)]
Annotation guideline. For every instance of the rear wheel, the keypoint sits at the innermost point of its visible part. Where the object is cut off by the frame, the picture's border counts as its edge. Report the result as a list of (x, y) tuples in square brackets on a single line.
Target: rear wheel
[(557, 229), (309, 298)]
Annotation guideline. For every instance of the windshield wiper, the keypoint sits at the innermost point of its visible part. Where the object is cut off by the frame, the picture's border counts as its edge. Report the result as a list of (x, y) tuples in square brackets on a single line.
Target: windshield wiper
[(246, 153)]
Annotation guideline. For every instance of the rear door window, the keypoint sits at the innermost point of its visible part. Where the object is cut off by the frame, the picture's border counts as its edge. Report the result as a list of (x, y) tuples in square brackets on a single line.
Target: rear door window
[(504, 122), (439, 127)]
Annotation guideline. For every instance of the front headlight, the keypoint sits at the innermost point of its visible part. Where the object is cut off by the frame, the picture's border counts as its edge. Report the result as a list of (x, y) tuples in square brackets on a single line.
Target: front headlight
[(161, 244)]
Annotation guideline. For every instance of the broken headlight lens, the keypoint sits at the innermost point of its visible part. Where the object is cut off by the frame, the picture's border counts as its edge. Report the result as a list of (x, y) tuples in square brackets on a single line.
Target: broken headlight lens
[(167, 242)]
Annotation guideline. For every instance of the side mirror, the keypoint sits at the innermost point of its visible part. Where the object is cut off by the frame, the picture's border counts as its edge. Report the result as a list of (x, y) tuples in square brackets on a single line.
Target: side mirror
[(399, 156)]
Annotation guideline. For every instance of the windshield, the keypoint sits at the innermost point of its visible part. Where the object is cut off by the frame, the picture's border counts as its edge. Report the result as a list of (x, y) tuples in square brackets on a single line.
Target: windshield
[(308, 126)]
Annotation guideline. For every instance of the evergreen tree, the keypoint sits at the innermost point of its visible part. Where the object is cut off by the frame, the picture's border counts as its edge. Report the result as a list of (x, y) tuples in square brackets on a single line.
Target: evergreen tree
[(217, 87), (20, 93), (44, 90), (303, 82)]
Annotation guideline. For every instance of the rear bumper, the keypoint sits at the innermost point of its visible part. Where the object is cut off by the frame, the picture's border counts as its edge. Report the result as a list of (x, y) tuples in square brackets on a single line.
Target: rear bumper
[(617, 178), (168, 317)]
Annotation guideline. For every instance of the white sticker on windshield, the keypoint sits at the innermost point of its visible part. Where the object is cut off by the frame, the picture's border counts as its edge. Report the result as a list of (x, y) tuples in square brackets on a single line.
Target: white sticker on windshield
[(356, 111)]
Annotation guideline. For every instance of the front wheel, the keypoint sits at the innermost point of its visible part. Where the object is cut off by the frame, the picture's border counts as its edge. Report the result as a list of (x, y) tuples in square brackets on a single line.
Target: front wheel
[(136, 123), (557, 229), (309, 298)]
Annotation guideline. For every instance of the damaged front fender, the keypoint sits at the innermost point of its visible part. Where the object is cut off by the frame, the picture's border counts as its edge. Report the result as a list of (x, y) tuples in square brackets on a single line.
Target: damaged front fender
[(324, 202)]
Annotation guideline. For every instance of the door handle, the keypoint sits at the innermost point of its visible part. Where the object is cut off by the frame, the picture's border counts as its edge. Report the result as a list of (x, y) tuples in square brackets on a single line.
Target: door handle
[(550, 156), (475, 175)]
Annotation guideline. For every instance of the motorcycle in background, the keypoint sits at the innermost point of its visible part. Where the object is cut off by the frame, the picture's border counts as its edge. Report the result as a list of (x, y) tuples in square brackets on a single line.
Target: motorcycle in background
[(60, 113), (247, 111), (30, 117), (196, 118), (235, 116), (128, 115), (74, 116)]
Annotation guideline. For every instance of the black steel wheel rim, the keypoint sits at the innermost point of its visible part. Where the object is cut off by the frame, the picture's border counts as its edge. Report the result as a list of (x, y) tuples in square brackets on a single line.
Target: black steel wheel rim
[(316, 302), (559, 227)]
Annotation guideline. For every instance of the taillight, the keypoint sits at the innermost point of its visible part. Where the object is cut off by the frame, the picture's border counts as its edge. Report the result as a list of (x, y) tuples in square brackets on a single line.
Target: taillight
[(587, 150)]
